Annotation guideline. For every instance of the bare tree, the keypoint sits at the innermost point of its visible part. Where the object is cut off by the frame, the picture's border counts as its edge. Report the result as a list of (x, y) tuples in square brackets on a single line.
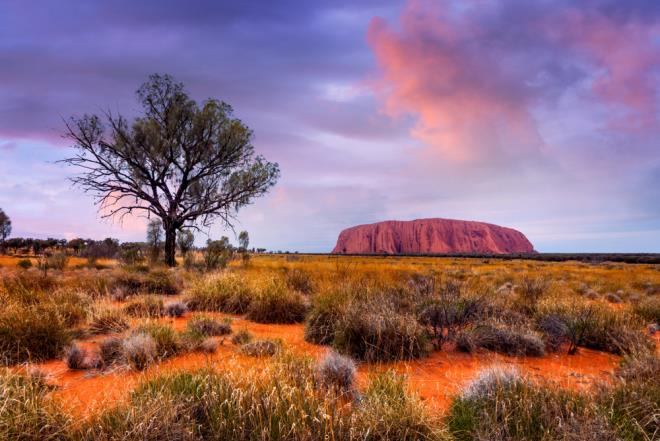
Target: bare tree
[(186, 163)]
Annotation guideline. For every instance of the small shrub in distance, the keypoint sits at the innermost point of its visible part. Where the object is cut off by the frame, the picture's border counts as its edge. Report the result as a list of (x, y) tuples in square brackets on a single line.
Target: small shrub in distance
[(207, 326), (145, 306), (648, 309), (300, 280), (613, 298), (209, 346), (24, 263), (241, 337), (501, 338), (175, 309), (261, 348)]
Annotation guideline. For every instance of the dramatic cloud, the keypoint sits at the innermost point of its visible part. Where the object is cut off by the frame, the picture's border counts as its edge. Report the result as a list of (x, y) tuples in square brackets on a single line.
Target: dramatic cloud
[(540, 115)]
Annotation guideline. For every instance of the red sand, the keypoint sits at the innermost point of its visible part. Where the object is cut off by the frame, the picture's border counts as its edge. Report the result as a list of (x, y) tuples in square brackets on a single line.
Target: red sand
[(436, 378)]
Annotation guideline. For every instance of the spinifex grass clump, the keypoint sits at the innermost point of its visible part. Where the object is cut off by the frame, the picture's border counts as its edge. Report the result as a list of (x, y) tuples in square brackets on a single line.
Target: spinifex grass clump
[(500, 404), (145, 282), (166, 338), (32, 332), (373, 330), (207, 326), (501, 338), (632, 404), (224, 292), (107, 320), (261, 348), (229, 404), (648, 309), (145, 306), (591, 326), (337, 371), (27, 412), (274, 302)]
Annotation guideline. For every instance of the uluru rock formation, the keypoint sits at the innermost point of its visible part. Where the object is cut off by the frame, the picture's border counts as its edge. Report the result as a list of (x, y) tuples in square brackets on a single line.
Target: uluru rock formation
[(431, 236)]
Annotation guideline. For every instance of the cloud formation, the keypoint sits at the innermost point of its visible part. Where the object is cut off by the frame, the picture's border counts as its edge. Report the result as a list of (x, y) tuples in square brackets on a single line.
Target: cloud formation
[(539, 115)]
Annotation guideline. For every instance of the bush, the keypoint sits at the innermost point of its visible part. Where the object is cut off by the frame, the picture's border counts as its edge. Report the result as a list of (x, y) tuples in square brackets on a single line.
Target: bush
[(206, 326), (279, 401), (648, 309), (175, 309), (300, 280), (388, 411), (632, 404), (24, 263), (75, 357), (111, 351), (337, 371), (209, 346), (166, 339), (372, 330), (261, 348), (108, 320), (275, 303), (321, 322), (145, 306), (503, 339), (501, 405), (612, 298), (242, 337), (32, 333), (139, 350), (597, 327), (27, 412), (139, 282), (220, 293)]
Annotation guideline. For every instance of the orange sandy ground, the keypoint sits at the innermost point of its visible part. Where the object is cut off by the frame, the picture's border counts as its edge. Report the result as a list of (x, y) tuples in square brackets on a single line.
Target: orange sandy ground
[(436, 378)]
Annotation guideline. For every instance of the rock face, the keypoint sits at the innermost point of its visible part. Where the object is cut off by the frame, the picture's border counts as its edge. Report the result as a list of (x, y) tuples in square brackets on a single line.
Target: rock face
[(431, 236)]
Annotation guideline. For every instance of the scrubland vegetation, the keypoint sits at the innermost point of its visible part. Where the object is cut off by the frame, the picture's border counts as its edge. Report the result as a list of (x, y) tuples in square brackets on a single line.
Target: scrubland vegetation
[(367, 312)]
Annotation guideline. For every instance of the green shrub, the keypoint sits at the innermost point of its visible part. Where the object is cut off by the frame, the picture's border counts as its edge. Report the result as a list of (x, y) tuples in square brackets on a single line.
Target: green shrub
[(32, 333), (111, 351), (321, 321), (275, 303), (224, 292)]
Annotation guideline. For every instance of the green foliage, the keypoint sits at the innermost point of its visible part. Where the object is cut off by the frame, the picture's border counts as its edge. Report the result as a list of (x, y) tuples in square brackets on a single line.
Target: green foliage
[(275, 303), (24, 263), (145, 306), (225, 292)]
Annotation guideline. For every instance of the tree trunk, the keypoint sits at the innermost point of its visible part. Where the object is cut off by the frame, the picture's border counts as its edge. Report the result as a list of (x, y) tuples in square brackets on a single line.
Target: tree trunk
[(170, 244)]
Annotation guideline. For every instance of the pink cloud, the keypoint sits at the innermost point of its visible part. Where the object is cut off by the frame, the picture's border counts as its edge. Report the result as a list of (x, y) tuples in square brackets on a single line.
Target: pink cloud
[(474, 76)]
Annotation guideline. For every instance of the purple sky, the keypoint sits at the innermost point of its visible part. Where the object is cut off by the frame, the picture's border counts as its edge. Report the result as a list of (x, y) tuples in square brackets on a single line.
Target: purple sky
[(539, 115)]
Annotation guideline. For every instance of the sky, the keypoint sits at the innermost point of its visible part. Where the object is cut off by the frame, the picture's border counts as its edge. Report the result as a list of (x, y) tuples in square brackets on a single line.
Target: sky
[(542, 116)]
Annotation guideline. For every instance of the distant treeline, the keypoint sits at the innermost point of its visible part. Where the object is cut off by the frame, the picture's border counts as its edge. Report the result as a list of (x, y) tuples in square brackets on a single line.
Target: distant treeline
[(649, 258)]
